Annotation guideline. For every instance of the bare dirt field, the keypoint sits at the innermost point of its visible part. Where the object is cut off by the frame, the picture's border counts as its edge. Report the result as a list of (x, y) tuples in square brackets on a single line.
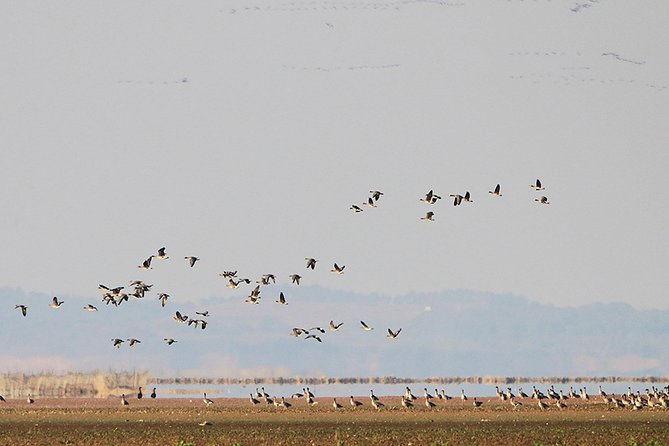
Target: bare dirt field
[(174, 421)]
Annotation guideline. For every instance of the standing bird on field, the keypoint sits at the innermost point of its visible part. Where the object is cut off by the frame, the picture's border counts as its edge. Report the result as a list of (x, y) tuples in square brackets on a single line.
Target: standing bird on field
[(191, 260), (153, 394), (124, 402), (335, 404), (140, 395), (354, 403), (206, 400)]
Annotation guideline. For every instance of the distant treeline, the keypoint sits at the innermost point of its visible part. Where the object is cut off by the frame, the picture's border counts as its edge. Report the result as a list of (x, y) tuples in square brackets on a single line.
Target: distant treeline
[(52, 385), (492, 380)]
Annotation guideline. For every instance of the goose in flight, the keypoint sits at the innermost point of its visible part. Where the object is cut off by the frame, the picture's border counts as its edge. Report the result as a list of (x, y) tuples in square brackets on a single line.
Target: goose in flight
[(162, 297), (117, 342), (179, 318), (161, 254), (314, 337), (355, 208), (191, 260), (298, 332), (24, 309), (370, 203), (468, 197), (203, 313), (229, 274), (537, 185), (497, 192), (428, 217), (311, 262), (266, 279), (113, 291), (335, 327), (365, 326), (542, 200), (457, 199), (295, 278), (134, 342), (90, 307), (376, 194), (338, 269), (282, 299), (146, 264), (430, 198), (55, 303), (393, 335), (169, 341)]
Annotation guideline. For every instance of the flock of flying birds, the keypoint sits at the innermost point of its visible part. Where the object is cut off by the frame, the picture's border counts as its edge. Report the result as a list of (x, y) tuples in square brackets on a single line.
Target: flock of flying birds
[(116, 296)]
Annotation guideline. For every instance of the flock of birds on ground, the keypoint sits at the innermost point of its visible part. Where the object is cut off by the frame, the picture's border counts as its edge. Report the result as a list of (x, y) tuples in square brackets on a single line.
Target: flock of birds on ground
[(653, 398), (116, 296)]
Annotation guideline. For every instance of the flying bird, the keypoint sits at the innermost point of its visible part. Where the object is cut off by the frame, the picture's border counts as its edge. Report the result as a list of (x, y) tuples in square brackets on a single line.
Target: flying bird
[(161, 254), (314, 337), (338, 269), (537, 185), (311, 263), (24, 309), (370, 202), (134, 342), (376, 194), (428, 217), (355, 208), (117, 342), (393, 335), (365, 326), (295, 278), (335, 327), (179, 318), (90, 307), (203, 313), (169, 341), (55, 303), (282, 299), (542, 200), (146, 264), (191, 260), (430, 198), (497, 192), (162, 297)]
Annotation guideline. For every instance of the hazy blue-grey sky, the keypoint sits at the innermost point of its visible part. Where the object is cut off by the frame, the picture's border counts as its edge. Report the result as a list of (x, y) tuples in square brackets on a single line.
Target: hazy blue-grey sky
[(242, 131)]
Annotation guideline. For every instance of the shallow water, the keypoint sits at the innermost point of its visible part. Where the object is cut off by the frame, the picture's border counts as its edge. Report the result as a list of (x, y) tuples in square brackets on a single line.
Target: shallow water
[(342, 390)]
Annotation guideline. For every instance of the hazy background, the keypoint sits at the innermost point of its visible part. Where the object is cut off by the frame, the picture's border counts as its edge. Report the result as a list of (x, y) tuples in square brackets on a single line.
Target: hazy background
[(242, 131)]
